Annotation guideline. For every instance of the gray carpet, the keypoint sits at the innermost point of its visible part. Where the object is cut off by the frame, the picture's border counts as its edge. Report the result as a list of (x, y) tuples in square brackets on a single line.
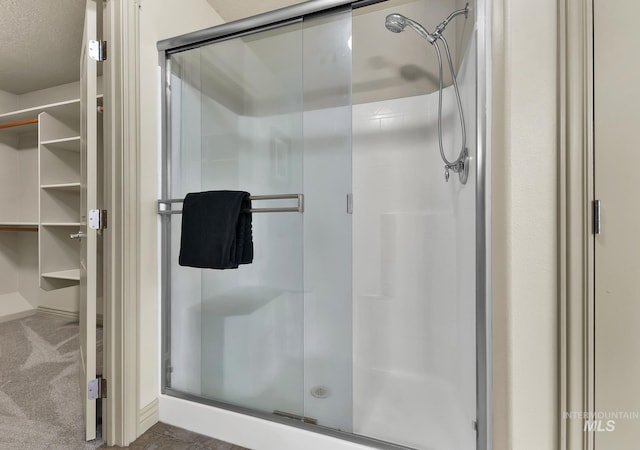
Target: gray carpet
[(40, 403)]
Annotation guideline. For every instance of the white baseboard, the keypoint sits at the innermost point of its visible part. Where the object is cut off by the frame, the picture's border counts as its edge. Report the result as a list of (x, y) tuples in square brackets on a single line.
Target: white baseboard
[(148, 416), (62, 314), (58, 313)]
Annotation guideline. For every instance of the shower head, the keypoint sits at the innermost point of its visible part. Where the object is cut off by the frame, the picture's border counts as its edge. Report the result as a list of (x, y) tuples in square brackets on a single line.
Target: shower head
[(396, 23)]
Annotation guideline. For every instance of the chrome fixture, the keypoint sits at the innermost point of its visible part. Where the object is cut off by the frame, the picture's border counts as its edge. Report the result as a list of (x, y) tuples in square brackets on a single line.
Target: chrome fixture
[(164, 206), (396, 23)]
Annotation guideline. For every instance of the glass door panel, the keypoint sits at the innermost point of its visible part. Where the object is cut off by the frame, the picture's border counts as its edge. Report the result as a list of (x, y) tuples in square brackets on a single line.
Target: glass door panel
[(327, 219), (237, 335)]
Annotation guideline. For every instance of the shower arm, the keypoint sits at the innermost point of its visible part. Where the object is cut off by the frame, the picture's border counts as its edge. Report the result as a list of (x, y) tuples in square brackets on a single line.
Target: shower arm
[(440, 28)]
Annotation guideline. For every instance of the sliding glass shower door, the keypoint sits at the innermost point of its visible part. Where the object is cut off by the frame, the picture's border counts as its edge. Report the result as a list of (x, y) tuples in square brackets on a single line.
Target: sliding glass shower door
[(361, 307), (237, 335), (268, 113)]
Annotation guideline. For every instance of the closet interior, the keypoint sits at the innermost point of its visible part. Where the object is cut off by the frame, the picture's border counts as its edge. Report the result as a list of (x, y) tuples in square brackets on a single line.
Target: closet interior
[(40, 186)]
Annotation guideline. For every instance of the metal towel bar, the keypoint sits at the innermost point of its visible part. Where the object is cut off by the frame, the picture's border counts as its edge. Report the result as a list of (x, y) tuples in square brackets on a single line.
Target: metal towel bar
[(164, 205)]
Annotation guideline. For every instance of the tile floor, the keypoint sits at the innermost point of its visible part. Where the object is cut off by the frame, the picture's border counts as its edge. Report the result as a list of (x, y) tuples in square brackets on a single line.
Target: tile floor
[(162, 436)]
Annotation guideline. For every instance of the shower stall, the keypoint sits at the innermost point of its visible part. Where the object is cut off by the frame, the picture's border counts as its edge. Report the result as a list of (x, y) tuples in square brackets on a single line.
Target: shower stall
[(362, 314)]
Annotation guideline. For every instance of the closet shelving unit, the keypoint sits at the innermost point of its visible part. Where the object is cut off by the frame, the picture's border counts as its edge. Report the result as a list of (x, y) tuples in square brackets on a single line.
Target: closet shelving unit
[(40, 163), (59, 212), (54, 129), (59, 192)]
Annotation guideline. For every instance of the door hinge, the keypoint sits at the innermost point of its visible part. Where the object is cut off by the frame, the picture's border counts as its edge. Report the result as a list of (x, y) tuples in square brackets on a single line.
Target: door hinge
[(98, 50), (97, 219), (97, 388), (597, 220)]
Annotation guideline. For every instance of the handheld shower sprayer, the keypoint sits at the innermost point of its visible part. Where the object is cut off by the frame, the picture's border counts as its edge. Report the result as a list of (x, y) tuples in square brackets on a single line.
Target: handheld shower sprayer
[(396, 23)]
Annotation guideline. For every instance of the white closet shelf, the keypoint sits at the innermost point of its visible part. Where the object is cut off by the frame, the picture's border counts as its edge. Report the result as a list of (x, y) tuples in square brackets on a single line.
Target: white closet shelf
[(71, 144), (62, 186), (72, 274), (60, 224), (59, 108)]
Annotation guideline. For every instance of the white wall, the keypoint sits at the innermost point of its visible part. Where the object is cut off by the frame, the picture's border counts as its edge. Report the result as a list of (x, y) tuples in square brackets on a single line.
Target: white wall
[(54, 94), (8, 102), (524, 225), (8, 268), (158, 20), (10, 174)]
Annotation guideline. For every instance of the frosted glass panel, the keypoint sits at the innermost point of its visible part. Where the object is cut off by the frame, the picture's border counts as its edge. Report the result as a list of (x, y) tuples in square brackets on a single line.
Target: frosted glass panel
[(327, 221), (237, 335)]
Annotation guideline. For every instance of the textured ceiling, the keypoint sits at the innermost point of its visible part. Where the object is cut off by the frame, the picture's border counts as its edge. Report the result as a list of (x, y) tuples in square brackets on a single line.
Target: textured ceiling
[(39, 43)]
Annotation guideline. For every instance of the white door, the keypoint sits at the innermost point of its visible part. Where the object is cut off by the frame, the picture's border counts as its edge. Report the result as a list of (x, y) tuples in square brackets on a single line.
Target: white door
[(617, 248), (88, 200)]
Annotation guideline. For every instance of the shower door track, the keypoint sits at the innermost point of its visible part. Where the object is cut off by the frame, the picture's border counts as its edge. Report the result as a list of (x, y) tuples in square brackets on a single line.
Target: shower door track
[(254, 24), (286, 420)]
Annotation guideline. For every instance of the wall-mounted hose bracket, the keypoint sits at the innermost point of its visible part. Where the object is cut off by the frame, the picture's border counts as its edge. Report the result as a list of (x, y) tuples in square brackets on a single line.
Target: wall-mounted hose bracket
[(440, 28), (461, 167)]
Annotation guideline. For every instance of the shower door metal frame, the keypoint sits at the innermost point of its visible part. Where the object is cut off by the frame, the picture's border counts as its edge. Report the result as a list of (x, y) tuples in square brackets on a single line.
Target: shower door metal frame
[(275, 19), (483, 227)]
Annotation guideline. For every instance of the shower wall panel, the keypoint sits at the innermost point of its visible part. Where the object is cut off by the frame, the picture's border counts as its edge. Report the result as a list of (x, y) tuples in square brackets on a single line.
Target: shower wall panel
[(414, 272)]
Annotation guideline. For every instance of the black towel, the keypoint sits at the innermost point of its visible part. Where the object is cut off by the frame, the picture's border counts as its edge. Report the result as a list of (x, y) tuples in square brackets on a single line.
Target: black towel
[(216, 234)]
